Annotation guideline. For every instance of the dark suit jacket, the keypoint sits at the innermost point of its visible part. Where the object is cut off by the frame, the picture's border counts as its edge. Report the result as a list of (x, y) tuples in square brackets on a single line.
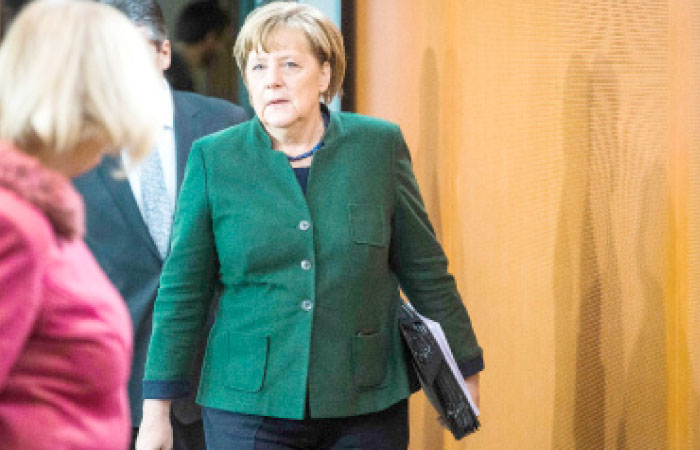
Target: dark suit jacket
[(121, 243)]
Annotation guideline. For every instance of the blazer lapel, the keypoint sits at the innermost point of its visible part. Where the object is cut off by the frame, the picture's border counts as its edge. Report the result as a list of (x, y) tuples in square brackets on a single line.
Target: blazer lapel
[(185, 132), (120, 190)]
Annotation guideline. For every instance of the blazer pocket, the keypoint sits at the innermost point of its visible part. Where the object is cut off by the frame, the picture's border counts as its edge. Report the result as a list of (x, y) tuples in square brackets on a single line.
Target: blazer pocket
[(237, 360), (369, 360), (367, 224), (247, 361)]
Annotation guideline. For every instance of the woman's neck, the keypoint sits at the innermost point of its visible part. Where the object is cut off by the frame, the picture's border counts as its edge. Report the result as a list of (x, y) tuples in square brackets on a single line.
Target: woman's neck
[(294, 141)]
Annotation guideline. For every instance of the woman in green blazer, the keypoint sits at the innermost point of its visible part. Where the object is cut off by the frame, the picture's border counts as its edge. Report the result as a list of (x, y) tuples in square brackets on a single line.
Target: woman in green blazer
[(311, 221)]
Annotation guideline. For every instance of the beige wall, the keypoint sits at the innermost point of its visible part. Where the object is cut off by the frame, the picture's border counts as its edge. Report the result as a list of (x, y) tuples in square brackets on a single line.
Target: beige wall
[(556, 144)]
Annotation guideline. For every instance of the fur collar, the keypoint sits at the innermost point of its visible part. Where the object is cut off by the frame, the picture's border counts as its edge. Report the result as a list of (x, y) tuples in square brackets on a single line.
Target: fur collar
[(47, 190)]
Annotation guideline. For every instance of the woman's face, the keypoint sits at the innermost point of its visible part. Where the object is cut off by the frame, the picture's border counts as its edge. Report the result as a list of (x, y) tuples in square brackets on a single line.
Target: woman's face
[(285, 84)]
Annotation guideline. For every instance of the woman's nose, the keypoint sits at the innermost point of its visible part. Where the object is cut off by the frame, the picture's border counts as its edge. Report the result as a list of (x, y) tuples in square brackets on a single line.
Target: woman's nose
[(272, 77)]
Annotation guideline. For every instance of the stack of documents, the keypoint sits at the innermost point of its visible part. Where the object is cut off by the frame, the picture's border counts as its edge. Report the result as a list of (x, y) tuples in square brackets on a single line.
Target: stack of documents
[(437, 371)]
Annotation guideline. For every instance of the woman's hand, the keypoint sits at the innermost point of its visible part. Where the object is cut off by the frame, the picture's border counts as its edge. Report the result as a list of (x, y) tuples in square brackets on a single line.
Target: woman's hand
[(473, 386), (472, 383), (155, 432)]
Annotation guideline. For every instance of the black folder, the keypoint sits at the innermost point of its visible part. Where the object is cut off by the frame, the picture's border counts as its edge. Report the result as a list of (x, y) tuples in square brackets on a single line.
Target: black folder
[(443, 385)]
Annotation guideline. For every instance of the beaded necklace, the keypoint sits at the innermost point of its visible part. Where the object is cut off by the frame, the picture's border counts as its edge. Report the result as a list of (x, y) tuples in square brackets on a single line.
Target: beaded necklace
[(306, 154)]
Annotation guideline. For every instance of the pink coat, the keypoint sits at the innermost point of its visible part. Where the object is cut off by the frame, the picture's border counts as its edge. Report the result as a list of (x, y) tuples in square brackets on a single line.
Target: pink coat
[(65, 334)]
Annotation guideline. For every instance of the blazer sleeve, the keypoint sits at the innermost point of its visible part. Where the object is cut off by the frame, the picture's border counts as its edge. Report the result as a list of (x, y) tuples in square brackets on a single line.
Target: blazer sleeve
[(22, 262), (187, 286), (420, 265)]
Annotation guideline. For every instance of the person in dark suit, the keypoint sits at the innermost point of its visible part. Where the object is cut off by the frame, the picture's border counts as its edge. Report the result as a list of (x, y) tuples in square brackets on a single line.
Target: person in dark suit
[(312, 220), (120, 231)]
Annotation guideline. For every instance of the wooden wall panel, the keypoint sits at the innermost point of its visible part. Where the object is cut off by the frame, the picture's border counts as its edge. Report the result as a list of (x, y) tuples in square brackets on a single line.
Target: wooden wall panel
[(556, 147), (685, 62)]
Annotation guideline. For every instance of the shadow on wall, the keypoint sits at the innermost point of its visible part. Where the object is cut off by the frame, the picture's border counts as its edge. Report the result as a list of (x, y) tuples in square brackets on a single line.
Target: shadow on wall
[(605, 398), (646, 388), (437, 166), (570, 257), (599, 352), (428, 434), (454, 204), (428, 155)]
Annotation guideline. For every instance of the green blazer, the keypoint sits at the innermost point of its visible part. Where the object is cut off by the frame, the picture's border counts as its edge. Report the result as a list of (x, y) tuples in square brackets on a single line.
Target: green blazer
[(311, 284)]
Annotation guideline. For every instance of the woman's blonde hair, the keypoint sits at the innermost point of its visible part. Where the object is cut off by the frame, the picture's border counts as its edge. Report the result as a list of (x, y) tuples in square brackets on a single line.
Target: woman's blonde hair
[(74, 74), (324, 38)]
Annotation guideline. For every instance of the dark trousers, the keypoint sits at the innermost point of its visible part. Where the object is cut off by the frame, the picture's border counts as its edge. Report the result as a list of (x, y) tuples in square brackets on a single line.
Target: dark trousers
[(382, 430), (185, 436)]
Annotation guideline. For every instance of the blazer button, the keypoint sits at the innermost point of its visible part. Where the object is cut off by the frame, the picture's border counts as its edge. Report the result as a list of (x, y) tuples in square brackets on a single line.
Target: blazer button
[(306, 264), (307, 305), (304, 225)]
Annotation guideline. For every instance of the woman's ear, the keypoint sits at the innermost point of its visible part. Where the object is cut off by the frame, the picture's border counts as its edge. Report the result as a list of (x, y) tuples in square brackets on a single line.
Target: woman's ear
[(164, 56), (325, 78)]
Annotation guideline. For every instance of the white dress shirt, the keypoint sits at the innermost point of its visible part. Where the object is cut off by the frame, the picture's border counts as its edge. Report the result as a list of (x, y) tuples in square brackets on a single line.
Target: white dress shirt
[(165, 146)]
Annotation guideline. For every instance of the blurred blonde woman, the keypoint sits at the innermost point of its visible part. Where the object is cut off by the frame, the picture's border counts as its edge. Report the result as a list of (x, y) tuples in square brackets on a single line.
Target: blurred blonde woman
[(311, 220), (75, 79)]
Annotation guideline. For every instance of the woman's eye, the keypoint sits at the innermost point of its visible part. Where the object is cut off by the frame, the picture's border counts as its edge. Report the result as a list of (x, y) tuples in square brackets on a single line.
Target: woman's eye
[(291, 64), (257, 67)]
